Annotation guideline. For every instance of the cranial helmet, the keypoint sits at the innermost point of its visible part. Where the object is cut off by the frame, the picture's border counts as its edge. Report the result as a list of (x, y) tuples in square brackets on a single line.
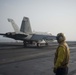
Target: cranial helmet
[(60, 37)]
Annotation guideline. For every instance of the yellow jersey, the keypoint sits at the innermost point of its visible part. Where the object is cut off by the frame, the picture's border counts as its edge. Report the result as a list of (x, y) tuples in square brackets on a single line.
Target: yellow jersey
[(62, 55)]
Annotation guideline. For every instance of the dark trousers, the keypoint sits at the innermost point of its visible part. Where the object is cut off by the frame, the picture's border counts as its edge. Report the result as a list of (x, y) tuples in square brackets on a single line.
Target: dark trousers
[(62, 71)]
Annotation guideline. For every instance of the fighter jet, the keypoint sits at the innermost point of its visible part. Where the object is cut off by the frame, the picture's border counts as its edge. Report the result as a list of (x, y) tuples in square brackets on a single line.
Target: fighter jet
[(25, 33)]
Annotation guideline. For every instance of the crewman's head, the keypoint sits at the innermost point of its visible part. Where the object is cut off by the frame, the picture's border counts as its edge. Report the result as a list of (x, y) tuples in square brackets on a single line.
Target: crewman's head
[(60, 37)]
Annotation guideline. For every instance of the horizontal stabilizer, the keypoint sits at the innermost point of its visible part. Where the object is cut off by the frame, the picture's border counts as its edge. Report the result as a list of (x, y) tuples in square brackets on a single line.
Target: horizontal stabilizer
[(2, 34)]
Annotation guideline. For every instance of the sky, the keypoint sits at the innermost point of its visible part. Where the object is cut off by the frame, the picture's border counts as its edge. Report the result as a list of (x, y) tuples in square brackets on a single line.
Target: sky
[(53, 16)]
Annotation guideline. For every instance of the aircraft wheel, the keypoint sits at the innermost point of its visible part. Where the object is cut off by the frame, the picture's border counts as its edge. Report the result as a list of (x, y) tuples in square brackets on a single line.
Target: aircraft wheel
[(25, 44), (46, 44), (38, 44)]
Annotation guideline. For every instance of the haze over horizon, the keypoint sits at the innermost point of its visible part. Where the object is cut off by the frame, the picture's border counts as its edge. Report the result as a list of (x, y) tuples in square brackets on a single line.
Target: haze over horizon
[(53, 16)]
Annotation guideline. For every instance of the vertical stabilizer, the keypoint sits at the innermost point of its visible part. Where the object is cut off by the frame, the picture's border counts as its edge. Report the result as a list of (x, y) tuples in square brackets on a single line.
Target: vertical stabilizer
[(16, 28), (25, 26)]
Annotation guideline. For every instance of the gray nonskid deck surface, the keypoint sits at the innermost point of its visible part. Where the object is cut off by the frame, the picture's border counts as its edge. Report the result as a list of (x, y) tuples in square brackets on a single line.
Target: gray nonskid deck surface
[(17, 60)]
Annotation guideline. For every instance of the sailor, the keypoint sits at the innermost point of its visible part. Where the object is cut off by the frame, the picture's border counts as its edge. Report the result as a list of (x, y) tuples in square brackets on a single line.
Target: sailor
[(62, 54)]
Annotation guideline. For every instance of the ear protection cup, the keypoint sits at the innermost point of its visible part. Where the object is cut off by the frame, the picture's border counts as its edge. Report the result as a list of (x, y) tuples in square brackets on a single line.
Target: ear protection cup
[(60, 37)]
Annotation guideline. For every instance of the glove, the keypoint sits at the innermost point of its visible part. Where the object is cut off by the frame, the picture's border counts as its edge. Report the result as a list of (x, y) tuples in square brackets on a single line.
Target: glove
[(54, 70)]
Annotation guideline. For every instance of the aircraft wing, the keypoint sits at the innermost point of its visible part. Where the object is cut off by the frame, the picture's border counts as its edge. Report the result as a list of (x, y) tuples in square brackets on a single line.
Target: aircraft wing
[(43, 37)]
